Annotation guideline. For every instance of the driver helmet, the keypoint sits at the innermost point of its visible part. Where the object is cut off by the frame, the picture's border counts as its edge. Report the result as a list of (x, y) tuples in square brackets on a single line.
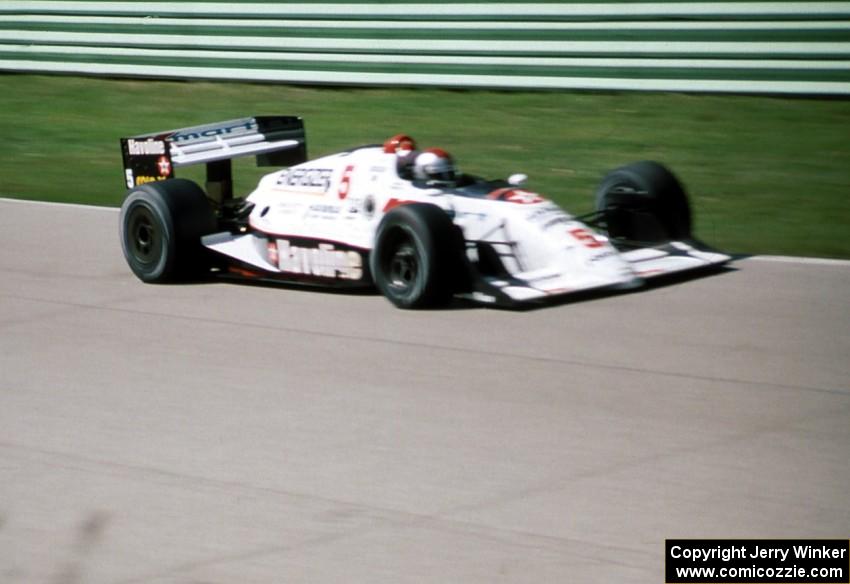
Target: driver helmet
[(400, 144), (435, 165)]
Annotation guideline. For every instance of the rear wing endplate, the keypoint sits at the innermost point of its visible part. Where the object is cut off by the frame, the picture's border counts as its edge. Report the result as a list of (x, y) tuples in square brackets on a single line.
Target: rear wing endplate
[(274, 140)]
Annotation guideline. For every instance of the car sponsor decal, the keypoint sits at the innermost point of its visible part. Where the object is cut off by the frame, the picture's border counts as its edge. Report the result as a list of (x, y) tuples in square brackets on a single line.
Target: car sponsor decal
[(143, 180), (323, 211), (309, 179), (145, 147), (145, 161), (164, 166), (548, 216), (519, 196), (203, 133), (318, 259)]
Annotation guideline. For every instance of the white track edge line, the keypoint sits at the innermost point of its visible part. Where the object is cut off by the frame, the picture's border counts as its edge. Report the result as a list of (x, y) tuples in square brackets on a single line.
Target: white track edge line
[(57, 204), (801, 260)]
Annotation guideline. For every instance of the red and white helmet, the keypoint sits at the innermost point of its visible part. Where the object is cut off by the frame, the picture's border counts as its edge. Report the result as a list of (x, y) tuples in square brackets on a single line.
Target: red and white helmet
[(434, 164), (400, 144)]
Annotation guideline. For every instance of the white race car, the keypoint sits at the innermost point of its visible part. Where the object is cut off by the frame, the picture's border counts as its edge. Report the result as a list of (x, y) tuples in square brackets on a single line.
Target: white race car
[(392, 217)]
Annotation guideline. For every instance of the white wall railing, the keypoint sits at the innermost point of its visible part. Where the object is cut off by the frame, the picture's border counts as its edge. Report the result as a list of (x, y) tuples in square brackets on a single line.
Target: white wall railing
[(741, 47)]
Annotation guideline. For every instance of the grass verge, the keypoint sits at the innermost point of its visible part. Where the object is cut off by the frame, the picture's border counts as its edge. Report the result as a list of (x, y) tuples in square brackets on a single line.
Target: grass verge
[(765, 175)]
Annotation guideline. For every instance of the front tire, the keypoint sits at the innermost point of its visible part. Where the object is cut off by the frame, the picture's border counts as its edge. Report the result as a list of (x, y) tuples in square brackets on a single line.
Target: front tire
[(161, 226), (644, 202), (417, 259)]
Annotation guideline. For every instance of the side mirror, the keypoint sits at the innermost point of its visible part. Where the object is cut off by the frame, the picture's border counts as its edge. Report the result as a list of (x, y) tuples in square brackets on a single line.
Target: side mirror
[(518, 180)]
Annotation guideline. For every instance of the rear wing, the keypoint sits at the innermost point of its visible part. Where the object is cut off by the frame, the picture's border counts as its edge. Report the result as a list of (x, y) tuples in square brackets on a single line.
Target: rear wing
[(274, 140)]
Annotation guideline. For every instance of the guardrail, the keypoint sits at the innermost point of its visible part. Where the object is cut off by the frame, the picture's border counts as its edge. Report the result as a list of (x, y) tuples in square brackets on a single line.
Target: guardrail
[(728, 46)]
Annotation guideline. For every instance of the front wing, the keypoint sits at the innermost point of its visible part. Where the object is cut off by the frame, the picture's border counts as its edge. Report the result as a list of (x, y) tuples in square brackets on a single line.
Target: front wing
[(675, 257)]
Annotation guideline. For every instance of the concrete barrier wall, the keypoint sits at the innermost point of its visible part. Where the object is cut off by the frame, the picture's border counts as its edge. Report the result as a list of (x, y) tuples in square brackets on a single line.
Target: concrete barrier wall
[(743, 47)]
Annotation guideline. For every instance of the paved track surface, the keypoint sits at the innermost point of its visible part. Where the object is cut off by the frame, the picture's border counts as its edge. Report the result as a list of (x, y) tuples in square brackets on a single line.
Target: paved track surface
[(226, 434)]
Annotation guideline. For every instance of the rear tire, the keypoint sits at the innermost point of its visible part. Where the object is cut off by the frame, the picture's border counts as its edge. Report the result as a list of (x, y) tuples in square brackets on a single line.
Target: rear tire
[(417, 259), (645, 202), (161, 226)]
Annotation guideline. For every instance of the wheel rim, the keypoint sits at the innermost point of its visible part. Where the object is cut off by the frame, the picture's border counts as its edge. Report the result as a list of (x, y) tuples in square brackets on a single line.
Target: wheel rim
[(403, 267), (400, 263), (144, 237)]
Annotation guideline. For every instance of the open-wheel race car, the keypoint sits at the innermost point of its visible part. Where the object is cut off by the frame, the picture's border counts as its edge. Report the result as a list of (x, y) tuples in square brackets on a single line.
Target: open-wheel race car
[(392, 217)]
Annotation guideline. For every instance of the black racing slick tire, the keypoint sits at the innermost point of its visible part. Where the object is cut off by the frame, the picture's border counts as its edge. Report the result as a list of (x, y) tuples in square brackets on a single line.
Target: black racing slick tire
[(417, 259), (644, 201), (161, 226)]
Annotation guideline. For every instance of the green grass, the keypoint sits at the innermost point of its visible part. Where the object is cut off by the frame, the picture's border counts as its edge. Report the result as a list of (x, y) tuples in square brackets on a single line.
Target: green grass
[(766, 175)]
